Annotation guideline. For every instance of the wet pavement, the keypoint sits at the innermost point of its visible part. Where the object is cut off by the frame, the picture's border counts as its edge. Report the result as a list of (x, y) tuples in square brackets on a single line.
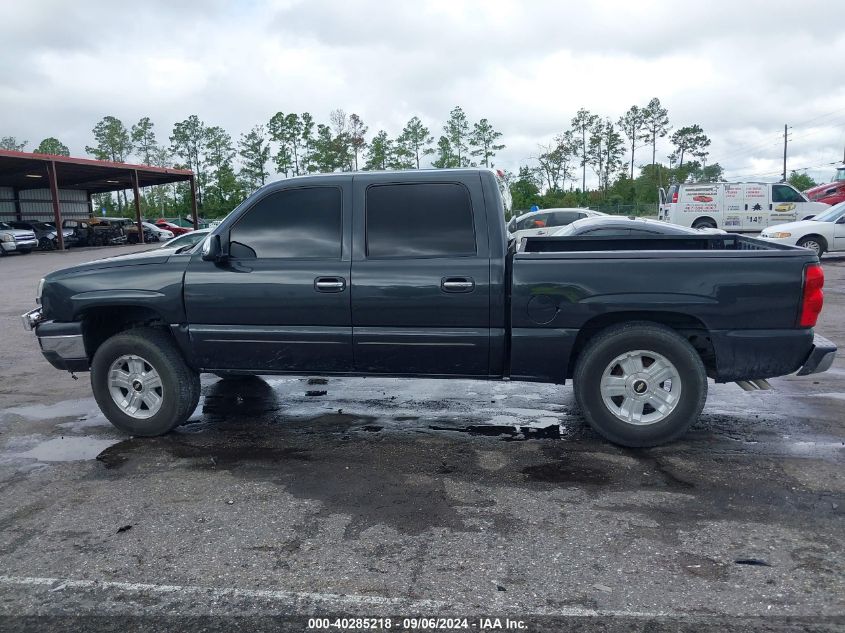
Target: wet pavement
[(375, 496)]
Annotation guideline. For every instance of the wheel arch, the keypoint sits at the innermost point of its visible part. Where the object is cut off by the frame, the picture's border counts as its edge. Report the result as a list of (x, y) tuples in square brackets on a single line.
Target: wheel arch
[(820, 238), (102, 322), (690, 327), (704, 219)]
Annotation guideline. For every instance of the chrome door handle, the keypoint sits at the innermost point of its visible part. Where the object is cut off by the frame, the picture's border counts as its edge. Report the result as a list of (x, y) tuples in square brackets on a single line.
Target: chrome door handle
[(457, 284), (330, 284)]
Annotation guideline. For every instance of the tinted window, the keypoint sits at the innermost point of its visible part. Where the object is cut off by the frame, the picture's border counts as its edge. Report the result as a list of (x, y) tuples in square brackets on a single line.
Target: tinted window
[(562, 218), (419, 220), (782, 193), (295, 223), (534, 221), (644, 232)]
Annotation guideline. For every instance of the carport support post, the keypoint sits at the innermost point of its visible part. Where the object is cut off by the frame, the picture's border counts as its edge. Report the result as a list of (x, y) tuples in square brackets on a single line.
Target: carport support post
[(137, 194), (57, 211), (17, 195), (194, 202)]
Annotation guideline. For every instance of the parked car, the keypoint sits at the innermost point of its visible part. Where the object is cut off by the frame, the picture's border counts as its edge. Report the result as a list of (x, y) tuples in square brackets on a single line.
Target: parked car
[(736, 207), (46, 234), (160, 234), (410, 273), (832, 192), (131, 230), (173, 228), (545, 221), (107, 231), (188, 239), (621, 226), (824, 233), (14, 240)]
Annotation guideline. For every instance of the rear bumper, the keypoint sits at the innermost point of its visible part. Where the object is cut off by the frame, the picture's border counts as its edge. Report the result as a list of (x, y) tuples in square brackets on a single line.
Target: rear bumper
[(820, 358), (62, 344), (753, 354)]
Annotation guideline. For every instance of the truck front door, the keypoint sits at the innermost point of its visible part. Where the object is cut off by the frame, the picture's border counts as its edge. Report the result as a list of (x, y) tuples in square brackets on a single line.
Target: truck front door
[(280, 301), (420, 276)]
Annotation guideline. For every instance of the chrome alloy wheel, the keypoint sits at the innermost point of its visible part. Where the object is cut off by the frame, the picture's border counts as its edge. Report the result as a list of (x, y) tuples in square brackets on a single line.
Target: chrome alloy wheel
[(135, 386), (813, 245), (641, 387)]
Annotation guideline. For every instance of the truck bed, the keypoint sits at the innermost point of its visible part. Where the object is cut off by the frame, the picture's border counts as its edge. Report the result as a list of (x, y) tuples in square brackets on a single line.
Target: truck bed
[(736, 297)]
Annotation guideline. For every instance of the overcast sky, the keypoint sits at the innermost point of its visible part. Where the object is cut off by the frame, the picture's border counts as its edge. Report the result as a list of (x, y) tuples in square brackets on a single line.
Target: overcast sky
[(740, 69)]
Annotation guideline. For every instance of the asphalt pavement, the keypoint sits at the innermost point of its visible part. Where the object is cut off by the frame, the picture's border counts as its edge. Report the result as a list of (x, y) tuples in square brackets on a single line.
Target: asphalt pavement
[(303, 496)]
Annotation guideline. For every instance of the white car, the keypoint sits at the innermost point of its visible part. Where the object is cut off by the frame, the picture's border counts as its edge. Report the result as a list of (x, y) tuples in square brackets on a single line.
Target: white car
[(825, 232), (188, 239), (162, 234), (545, 221)]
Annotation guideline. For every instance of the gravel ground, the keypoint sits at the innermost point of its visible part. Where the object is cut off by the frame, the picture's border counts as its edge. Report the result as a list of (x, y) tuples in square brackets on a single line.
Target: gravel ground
[(389, 497)]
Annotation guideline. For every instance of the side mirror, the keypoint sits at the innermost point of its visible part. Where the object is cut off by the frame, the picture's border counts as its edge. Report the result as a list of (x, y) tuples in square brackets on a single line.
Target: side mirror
[(212, 251)]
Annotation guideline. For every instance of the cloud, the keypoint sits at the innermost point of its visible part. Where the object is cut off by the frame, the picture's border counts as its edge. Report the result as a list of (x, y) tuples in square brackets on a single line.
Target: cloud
[(741, 70)]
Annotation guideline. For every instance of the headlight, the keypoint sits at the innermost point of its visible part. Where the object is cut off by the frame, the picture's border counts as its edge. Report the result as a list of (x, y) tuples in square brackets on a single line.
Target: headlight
[(7, 237), (778, 235), (38, 291)]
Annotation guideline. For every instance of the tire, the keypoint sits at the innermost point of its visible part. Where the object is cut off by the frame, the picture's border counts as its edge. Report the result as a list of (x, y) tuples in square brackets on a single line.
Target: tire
[(178, 385), (815, 243), (599, 374), (45, 244), (704, 223)]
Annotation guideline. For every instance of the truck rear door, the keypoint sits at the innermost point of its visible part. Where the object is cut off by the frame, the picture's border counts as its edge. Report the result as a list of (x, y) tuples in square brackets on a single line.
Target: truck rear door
[(420, 275)]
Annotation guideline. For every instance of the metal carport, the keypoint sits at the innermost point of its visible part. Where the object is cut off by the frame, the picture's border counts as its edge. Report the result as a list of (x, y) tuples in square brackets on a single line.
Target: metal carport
[(21, 171)]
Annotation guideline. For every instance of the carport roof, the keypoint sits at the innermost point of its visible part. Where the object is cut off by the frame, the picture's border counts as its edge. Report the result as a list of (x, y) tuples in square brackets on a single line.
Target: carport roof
[(24, 170)]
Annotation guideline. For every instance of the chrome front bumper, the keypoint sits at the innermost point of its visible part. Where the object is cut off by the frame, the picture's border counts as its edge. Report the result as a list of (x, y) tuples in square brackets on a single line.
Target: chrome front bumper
[(62, 344), (32, 318)]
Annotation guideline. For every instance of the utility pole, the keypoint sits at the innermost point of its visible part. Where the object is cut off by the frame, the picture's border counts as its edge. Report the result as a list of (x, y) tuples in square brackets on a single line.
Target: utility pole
[(785, 138)]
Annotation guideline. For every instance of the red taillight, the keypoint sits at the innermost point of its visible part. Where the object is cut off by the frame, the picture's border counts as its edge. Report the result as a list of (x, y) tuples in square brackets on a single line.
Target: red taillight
[(675, 197), (812, 298)]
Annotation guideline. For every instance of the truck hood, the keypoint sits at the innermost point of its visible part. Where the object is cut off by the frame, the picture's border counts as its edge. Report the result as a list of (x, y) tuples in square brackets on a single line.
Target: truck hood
[(153, 256), (821, 189)]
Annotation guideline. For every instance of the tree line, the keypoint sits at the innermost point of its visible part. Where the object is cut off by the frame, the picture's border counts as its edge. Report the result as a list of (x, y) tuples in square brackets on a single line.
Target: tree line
[(609, 149), (292, 144)]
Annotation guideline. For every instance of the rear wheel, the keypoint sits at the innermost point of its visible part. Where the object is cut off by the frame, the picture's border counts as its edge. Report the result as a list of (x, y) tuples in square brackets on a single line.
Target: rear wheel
[(142, 384), (640, 384), (704, 223), (815, 243)]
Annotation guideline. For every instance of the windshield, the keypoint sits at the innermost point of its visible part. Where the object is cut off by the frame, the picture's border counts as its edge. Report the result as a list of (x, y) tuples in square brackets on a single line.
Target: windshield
[(3, 225), (832, 214), (189, 239), (839, 176)]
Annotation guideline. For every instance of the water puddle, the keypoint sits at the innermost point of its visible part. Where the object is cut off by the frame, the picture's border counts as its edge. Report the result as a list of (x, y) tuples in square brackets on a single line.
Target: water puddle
[(83, 408), (68, 449)]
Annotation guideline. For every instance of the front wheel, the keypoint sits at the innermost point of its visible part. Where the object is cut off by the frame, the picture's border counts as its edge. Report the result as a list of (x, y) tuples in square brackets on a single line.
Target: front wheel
[(640, 384), (814, 243), (142, 384)]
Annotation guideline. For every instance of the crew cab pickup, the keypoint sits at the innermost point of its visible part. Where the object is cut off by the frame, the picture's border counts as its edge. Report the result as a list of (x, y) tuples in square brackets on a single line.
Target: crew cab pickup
[(411, 274)]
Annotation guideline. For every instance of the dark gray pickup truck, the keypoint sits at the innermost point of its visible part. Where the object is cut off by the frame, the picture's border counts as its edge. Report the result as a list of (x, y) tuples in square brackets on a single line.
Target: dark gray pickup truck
[(411, 274)]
